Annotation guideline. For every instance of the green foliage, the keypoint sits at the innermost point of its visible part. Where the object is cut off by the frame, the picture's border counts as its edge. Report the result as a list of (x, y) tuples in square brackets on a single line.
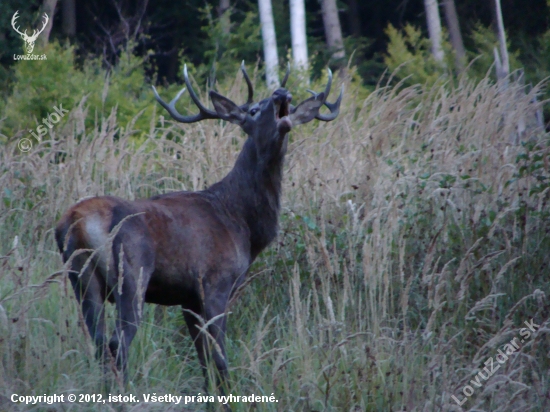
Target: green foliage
[(410, 59), (41, 85), (533, 163), (124, 86), (368, 69), (483, 42), (535, 57), (538, 61), (232, 38)]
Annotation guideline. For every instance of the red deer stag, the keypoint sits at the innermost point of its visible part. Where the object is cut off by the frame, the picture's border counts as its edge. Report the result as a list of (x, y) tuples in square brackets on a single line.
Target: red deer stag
[(185, 248)]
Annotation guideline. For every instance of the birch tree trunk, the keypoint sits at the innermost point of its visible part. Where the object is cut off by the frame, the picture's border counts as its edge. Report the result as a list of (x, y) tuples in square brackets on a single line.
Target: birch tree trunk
[(454, 31), (48, 7), (333, 30), (224, 5), (298, 33), (270, 43), (434, 28), (68, 12), (222, 9), (502, 61)]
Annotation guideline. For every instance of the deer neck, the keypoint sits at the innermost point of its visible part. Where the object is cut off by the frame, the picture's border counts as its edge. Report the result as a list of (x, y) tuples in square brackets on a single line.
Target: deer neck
[(251, 193)]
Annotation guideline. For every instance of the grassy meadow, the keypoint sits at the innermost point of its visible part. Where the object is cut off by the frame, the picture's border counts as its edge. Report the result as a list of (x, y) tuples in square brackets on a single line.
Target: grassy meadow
[(414, 244)]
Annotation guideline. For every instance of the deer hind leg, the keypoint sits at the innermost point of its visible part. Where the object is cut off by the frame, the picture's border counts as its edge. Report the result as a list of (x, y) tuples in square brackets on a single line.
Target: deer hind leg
[(133, 266), (89, 288), (88, 285)]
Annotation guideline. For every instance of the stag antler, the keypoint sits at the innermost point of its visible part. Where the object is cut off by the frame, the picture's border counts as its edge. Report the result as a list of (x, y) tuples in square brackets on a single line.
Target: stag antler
[(333, 107), (283, 83), (204, 113), (250, 88)]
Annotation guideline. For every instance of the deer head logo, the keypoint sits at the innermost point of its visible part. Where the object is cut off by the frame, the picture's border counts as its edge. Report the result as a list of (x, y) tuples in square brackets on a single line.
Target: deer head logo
[(29, 40)]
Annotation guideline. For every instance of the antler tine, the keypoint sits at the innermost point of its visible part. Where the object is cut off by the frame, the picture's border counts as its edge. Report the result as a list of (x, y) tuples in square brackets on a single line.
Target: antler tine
[(204, 113), (327, 88), (250, 87), (286, 75), (171, 107), (333, 107)]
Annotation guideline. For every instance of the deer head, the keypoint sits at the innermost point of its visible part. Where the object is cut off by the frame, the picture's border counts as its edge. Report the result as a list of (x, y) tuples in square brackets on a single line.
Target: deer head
[(29, 40), (265, 122)]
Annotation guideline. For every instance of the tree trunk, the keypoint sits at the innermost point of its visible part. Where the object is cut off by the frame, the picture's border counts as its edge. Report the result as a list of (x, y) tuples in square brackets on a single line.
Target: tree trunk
[(298, 33), (224, 17), (434, 28), (270, 43), (224, 5), (49, 8), (501, 59), (454, 31), (333, 31), (68, 8)]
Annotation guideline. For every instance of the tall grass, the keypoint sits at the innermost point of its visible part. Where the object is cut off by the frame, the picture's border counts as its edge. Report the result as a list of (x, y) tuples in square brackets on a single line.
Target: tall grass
[(413, 245)]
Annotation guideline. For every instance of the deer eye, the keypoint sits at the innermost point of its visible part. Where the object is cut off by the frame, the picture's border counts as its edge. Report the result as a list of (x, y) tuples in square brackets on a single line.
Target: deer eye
[(254, 111)]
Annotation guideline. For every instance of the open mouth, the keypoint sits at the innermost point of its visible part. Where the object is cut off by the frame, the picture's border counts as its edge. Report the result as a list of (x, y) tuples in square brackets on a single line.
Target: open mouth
[(282, 110), (282, 107), (281, 99)]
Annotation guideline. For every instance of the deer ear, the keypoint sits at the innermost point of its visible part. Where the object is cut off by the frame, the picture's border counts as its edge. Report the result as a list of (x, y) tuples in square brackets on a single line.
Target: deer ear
[(307, 110), (226, 109)]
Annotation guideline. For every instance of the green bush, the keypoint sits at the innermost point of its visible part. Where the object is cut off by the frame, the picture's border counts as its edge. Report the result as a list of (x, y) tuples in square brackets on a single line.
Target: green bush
[(41, 85), (409, 56), (484, 41), (410, 59), (230, 39)]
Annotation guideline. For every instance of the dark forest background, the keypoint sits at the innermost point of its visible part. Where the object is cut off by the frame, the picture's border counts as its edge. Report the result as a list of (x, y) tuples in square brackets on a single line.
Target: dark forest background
[(168, 30)]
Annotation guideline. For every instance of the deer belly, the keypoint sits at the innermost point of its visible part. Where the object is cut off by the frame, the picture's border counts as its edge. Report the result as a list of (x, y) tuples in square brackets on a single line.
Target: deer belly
[(169, 290)]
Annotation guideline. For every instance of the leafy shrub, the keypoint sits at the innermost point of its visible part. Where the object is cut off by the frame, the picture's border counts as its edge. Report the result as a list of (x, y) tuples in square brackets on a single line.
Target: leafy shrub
[(41, 85), (410, 59), (409, 56), (234, 37), (484, 41)]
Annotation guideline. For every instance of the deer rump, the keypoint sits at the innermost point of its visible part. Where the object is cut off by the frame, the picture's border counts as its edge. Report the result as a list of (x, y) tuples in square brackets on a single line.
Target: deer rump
[(185, 248)]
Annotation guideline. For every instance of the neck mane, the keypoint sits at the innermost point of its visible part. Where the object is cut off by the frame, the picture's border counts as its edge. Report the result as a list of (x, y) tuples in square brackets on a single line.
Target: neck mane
[(251, 193)]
